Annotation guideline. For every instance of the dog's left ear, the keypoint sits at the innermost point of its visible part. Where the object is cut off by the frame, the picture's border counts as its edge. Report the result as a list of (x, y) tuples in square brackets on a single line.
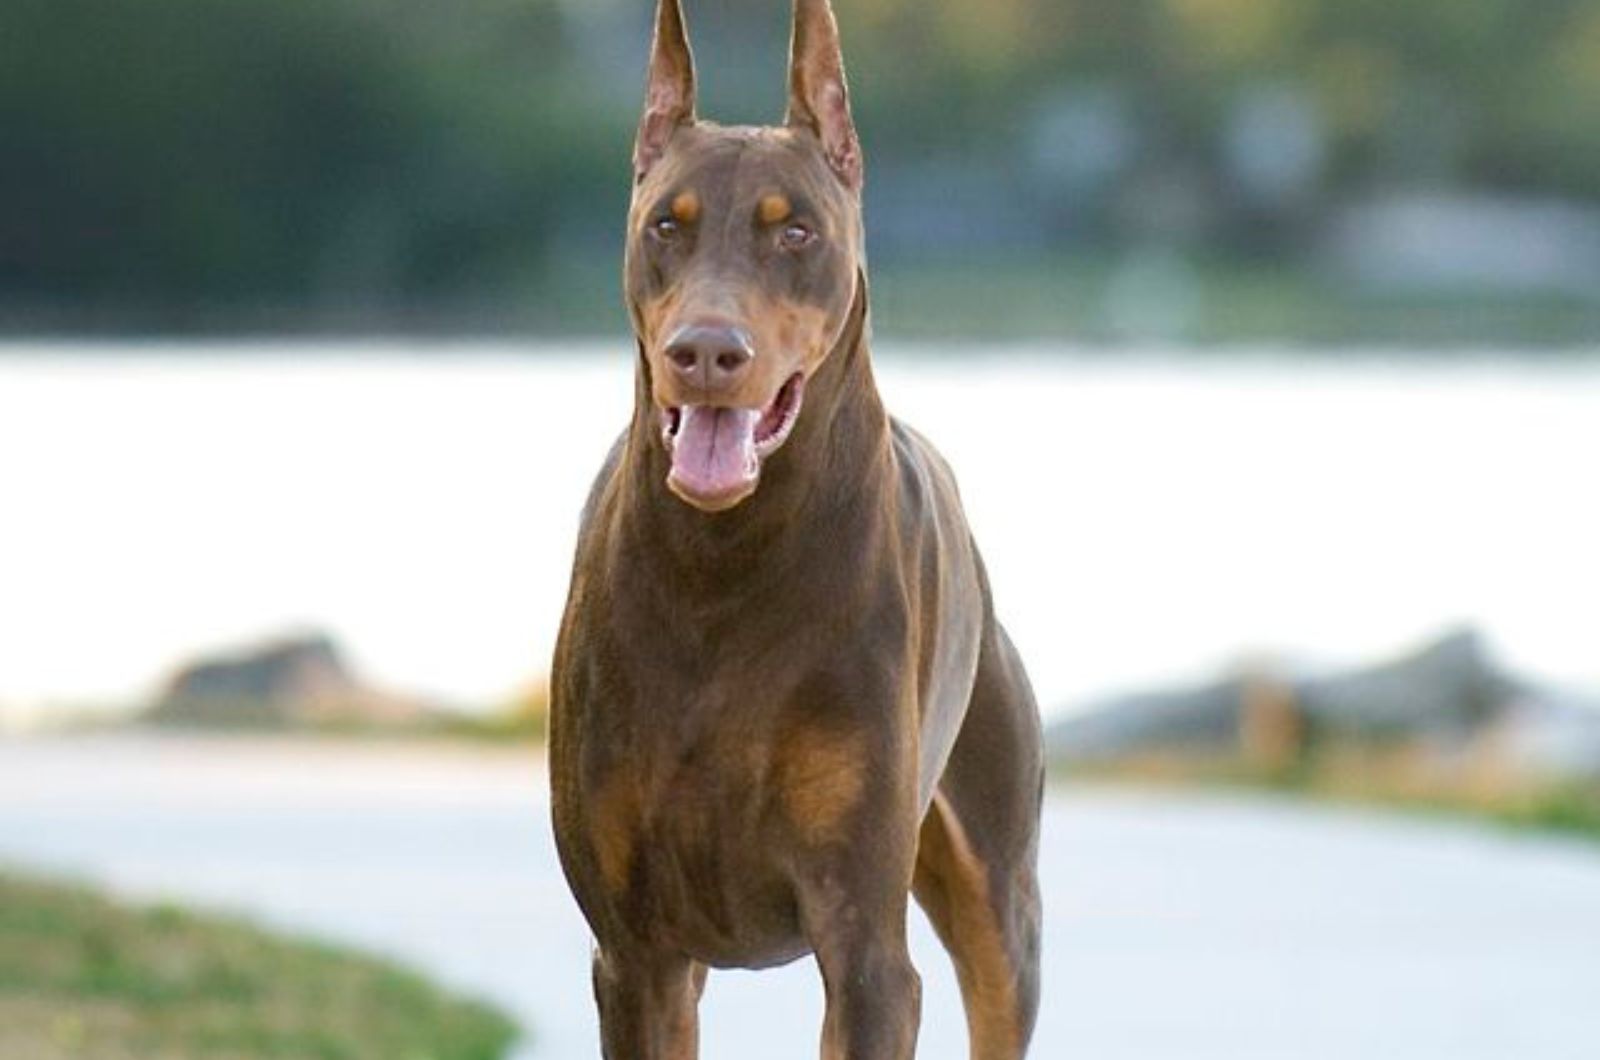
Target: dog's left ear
[(819, 100)]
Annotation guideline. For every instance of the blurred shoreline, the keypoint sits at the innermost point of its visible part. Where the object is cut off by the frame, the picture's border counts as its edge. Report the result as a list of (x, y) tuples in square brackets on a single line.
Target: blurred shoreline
[(1098, 304)]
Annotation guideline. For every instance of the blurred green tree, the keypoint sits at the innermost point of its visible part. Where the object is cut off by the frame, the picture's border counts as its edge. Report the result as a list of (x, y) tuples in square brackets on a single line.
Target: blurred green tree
[(392, 153)]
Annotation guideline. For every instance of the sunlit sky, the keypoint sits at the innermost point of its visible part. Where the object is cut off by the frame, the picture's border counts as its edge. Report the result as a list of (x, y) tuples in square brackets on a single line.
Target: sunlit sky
[(1147, 519)]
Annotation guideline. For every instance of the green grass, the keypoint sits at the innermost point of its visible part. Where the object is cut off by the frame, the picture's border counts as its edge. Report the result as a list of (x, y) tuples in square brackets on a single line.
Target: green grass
[(84, 978), (1374, 779), (1096, 299), (1099, 300), (519, 720), (1560, 809), (1224, 302)]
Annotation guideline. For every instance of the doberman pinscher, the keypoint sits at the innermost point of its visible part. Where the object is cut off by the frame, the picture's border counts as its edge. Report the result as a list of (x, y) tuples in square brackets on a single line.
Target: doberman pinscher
[(780, 700)]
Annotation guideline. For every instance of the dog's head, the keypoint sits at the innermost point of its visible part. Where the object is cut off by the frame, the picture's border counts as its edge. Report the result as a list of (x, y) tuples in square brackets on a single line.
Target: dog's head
[(744, 251)]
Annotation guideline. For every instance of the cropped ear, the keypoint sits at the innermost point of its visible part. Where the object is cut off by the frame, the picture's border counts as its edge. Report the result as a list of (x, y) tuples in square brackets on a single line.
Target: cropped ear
[(819, 100), (669, 89)]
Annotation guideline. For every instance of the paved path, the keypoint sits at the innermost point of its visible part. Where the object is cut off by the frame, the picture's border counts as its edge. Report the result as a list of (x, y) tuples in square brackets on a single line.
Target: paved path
[(1178, 929)]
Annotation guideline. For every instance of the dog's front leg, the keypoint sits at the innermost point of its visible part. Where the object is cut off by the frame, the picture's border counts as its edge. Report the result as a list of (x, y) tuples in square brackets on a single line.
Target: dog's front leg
[(649, 1005), (874, 995)]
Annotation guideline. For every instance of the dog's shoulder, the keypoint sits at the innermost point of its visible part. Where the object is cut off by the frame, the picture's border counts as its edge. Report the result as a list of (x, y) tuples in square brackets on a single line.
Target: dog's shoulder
[(922, 467), (598, 488), (930, 501)]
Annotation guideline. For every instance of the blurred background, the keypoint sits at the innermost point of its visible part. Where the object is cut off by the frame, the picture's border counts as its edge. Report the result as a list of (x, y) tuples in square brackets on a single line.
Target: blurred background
[(1202, 170), (1264, 338)]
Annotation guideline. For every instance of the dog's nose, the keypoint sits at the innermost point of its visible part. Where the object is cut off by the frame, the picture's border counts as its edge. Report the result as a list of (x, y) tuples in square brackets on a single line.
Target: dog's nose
[(710, 356)]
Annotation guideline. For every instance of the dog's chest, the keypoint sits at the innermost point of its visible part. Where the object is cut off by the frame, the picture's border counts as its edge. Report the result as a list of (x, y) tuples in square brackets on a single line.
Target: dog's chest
[(692, 844)]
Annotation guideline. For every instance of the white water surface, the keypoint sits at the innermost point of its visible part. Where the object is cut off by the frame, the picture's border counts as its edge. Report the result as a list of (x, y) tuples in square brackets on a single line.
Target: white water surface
[(1147, 518)]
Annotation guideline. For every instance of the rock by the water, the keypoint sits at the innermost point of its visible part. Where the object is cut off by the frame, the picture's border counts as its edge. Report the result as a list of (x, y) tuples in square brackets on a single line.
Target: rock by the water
[(1199, 719), (298, 680), (1448, 697), (1448, 688)]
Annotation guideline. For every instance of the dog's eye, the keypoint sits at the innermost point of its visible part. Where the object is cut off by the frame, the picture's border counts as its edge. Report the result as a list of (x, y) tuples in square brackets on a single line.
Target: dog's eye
[(794, 236), (665, 228)]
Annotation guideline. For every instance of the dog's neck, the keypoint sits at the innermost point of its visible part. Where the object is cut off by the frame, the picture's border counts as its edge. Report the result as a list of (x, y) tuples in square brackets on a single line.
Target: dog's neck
[(830, 474)]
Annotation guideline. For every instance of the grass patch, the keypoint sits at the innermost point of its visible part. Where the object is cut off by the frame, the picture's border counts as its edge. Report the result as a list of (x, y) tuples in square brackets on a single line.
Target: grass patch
[(1391, 779), (519, 720), (84, 978), (1206, 302), (1098, 299)]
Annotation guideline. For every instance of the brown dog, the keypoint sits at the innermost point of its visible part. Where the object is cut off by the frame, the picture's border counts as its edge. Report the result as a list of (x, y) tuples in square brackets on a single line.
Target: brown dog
[(781, 700)]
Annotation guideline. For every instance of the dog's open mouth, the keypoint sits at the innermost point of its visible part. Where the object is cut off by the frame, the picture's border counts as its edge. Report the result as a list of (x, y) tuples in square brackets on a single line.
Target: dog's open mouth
[(717, 452)]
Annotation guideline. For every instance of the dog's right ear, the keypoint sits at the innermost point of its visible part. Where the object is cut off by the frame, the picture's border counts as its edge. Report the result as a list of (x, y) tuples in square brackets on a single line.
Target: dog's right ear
[(669, 90)]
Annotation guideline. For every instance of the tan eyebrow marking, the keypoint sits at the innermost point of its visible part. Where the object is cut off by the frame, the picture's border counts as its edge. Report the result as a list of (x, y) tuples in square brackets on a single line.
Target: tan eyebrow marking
[(773, 208), (686, 207)]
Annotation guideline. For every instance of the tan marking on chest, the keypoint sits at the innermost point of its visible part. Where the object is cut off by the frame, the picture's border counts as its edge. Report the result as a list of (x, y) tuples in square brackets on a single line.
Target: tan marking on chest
[(614, 819), (822, 776)]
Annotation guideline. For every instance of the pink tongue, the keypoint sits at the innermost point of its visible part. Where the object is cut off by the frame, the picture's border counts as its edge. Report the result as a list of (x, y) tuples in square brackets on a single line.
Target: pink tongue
[(714, 452)]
